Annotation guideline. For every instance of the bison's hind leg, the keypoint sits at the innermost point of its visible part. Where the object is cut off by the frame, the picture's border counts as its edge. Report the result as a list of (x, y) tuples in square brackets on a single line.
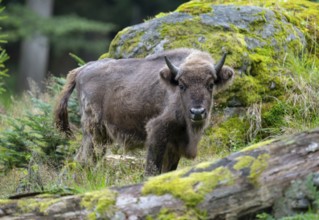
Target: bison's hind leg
[(85, 154), (101, 140), (94, 141)]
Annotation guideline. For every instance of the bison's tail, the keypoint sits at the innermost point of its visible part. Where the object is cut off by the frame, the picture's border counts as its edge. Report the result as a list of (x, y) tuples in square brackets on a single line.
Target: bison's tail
[(61, 119)]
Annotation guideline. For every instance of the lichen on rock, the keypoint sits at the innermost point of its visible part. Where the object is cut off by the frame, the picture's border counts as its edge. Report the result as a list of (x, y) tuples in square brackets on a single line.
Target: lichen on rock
[(98, 204), (255, 165), (187, 185)]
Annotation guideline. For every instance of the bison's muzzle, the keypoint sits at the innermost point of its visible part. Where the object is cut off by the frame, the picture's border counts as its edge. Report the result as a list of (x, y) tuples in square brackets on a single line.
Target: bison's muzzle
[(198, 114)]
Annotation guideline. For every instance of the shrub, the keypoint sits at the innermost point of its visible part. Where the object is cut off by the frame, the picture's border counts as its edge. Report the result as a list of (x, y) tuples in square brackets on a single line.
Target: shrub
[(33, 135)]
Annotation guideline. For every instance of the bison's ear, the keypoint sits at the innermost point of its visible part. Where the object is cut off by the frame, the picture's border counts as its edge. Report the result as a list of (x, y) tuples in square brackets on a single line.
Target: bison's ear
[(224, 78), (168, 77)]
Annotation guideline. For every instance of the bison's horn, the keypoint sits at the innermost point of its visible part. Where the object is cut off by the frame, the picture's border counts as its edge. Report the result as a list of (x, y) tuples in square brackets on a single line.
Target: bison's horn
[(174, 69), (220, 64)]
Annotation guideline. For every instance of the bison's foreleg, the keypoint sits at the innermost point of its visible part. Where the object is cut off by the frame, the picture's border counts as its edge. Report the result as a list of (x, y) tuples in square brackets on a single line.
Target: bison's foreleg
[(171, 159), (156, 143)]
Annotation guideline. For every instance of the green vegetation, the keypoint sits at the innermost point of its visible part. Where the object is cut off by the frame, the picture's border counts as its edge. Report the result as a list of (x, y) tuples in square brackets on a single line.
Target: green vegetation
[(3, 56), (32, 134)]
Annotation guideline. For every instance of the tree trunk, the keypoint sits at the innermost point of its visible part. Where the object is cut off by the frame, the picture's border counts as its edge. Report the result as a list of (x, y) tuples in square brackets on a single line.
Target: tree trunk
[(277, 177), (34, 52)]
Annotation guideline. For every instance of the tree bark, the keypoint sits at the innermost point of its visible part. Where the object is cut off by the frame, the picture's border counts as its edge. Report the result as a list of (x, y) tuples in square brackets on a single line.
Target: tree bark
[(278, 177), (34, 52)]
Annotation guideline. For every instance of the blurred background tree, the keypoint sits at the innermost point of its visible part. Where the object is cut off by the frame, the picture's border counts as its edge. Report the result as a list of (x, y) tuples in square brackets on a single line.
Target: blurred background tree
[(41, 33)]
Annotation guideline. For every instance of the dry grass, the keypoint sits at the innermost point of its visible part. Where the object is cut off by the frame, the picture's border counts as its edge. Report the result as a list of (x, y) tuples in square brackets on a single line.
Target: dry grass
[(10, 182), (253, 115)]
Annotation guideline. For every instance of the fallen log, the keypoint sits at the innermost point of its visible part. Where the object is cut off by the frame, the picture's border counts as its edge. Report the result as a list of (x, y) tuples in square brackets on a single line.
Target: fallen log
[(277, 176)]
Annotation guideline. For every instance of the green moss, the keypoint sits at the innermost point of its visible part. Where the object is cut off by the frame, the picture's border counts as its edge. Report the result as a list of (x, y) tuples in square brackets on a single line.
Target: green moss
[(166, 214), (256, 165), (195, 8), (98, 203), (205, 37), (248, 83), (104, 55), (5, 201), (189, 188), (275, 114), (228, 136), (129, 45), (257, 145), (274, 117), (204, 165), (302, 13), (38, 205), (161, 14), (244, 162), (27, 205)]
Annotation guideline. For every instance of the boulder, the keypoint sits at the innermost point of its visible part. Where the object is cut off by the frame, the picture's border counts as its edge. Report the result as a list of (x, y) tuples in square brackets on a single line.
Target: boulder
[(258, 39)]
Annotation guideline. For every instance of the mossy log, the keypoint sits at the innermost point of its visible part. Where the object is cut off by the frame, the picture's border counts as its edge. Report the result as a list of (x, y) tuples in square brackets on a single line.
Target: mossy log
[(278, 177)]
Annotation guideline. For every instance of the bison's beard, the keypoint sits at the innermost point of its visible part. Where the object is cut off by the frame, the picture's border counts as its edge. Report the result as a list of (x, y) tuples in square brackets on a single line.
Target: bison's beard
[(197, 126)]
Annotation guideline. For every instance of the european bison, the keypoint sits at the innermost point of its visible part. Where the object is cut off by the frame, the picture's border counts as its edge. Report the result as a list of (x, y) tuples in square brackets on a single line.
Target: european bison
[(162, 101)]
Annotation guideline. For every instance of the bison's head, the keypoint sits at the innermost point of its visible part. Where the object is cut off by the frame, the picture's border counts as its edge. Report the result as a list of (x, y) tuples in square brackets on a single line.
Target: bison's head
[(196, 80)]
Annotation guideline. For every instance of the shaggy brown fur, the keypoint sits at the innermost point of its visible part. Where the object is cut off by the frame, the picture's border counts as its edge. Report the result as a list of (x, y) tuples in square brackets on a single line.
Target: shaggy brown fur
[(144, 102)]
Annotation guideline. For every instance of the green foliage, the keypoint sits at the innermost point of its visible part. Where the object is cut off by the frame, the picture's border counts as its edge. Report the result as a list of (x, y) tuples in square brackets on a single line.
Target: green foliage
[(264, 216), (228, 136), (274, 117), (77, 59), (3, 70), (32, 134), (3, 56)]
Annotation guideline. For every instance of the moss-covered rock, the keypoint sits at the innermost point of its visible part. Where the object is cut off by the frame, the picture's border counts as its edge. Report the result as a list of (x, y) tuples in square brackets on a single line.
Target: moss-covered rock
[(92, 205), (258, 39)]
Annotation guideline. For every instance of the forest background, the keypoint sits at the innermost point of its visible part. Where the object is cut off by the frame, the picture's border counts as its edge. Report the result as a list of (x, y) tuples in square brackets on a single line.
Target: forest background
[(41, 34)]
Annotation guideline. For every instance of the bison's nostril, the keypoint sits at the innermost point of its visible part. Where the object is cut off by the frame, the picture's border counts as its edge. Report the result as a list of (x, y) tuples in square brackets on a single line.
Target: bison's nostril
[(197, 111)]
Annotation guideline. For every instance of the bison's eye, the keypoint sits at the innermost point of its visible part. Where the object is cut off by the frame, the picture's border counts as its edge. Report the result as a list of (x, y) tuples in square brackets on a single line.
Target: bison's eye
[(210, 86), (182, 87)]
